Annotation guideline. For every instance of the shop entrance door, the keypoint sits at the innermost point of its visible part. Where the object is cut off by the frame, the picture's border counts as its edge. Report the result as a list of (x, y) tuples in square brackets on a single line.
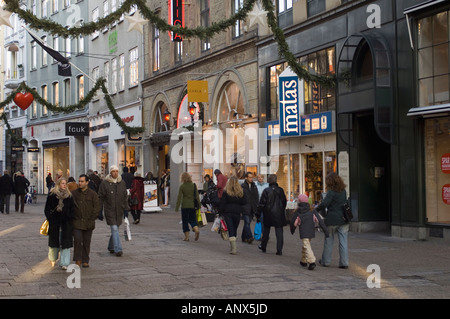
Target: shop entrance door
[(372, 173)]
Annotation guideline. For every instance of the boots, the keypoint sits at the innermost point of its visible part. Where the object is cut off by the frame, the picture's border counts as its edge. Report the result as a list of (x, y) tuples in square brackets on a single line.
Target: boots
[(186, 236), (233, 245), (197, 232)]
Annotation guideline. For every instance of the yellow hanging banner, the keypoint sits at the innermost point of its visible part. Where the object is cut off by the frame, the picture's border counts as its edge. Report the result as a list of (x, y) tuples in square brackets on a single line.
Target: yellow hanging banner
[(197, 91)]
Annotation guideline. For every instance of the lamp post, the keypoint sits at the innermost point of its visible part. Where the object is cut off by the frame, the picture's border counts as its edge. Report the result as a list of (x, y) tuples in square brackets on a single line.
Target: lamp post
[(192, 108)]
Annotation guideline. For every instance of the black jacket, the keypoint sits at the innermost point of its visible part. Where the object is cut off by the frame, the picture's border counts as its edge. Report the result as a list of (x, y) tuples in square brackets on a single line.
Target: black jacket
[(273, 205), (21, 185), (307, 227), (57, 220), (6, 185), (251, 192), (231, 204)]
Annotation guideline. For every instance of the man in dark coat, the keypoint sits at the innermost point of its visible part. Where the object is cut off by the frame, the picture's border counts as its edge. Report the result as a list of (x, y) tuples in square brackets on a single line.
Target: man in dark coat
[(86, 208), (273, 204), (6, 188), (251, 206), (114, 200), (20, 188)]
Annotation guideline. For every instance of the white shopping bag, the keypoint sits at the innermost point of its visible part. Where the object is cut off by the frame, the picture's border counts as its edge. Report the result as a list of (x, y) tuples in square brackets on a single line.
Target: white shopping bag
[(127, 229)]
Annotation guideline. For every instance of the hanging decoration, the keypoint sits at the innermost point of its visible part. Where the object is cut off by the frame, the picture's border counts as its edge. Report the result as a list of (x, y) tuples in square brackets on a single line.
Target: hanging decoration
[(136, 22), (257, 16), (4, 17), (23, 100)]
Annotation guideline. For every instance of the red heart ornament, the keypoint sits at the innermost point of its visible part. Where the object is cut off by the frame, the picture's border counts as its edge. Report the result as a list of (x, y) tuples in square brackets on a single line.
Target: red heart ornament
[(23, 100)]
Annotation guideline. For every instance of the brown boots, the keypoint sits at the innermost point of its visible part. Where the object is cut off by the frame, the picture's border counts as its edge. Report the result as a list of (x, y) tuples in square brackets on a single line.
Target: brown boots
[(195, 230)]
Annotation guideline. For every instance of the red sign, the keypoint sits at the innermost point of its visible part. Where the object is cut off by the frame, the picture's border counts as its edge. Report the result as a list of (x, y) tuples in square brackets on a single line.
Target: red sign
[(176, 17), (446, 194), (445, 163)]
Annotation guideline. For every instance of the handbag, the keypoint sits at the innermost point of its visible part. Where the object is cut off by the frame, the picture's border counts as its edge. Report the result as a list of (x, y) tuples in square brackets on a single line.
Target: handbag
[(133, 201), (44, 228), (348, 215), (258, 231), (201, 218)]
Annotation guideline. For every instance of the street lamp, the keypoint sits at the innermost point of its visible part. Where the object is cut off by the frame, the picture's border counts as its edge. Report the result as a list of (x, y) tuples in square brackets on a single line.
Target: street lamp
[(192, 108), (167, 115)]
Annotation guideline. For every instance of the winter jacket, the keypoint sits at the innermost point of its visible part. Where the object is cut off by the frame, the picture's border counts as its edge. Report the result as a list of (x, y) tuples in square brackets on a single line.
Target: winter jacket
[(221, 183), (334, 202), (21, 184), (186, 195), (87, 206), (137, 191), (251, 193), (307, 221), (57, 220), (114, 199), (232, 204), (6, 185), (273, 205), (128, 178)]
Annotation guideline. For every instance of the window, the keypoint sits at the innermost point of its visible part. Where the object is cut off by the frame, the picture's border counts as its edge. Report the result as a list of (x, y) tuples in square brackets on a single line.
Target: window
[(80, 88), (105, 12), (134, 67), (66, 3), (433, 59), (95, 17), (34, 108), (178, 46), (80, 41), (238, 28), (68, 47), (274, 73), (54, 6), (44, 95), (44, 53), (114, 75), (285, 16), (121, 72), (204, 21), (55, 92), (315, 7), (55, 45), (67, 93), (156, 49), (44, 8), (106, 74), (33, 55), (95, 76)]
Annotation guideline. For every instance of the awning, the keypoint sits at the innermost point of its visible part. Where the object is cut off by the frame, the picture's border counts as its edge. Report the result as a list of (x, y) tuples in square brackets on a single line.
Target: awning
[(422, 6), (430, 111)]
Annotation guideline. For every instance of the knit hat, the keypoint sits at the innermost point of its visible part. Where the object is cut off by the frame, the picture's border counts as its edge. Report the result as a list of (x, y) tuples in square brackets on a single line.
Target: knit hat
[(302, 198), (113, 168)]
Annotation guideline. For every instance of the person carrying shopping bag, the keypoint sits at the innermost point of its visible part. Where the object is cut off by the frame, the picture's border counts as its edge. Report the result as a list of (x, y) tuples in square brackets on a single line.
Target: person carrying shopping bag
[(189, 201)]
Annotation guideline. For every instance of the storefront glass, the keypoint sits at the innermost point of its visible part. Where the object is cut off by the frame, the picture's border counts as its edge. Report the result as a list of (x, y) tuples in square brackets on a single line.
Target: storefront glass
[(102, 158), (437, 161), (313, 174), (126, 156), (57, 159)]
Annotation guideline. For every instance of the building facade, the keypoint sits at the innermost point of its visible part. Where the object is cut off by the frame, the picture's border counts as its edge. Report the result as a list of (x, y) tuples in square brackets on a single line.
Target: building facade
[(116, 55), (57, 152)]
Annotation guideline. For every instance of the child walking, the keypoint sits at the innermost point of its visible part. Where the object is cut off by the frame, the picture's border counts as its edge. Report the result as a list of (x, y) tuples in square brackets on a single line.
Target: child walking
[(306, 220)]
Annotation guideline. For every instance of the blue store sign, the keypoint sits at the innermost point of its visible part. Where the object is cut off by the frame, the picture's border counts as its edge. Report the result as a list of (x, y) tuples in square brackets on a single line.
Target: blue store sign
[(318, 123), (291, 103)]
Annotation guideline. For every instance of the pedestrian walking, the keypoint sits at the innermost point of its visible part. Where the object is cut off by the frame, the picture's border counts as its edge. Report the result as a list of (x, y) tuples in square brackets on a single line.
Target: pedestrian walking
[(231, 205), (137, 194), (250, 208), (221, 182), (72, 184), (162, 186), (261, 186), (6, 189), (208, 183), (334, 202), (21, 184), (273, 204), (86, 208), (166, 189), (49, 182), (59, 211), (189, 201), (114, 200), (306, 220)]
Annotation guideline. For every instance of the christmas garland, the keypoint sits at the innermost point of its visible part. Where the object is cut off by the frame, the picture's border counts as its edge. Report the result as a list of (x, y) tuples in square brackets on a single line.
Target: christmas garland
[(100, 84)]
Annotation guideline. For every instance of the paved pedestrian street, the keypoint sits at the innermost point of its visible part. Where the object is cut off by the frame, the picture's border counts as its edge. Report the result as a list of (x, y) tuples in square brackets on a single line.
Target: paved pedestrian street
[(157, 264)]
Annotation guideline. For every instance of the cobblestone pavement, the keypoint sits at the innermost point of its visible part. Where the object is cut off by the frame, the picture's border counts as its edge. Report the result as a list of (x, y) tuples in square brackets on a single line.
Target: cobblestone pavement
[(158, 264)]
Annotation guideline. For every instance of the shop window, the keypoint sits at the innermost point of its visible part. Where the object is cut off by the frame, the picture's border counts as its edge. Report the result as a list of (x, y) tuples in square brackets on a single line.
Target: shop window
[(433, 59), (231, 104), (160, 124), (102, 157), (287, 169), (437, 170)]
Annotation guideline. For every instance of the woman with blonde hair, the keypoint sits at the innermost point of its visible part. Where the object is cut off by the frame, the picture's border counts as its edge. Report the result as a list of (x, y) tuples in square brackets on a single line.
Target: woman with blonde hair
[(231, 205), (189, 201), (59, 210)]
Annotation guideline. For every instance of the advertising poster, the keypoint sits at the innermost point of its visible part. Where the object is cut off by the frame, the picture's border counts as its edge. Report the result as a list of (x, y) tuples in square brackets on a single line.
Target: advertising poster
[(151, 197)]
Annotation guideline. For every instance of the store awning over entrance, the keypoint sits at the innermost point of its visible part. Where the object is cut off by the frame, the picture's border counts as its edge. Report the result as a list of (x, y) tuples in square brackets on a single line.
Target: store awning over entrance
[(430, 111), (424, 5)]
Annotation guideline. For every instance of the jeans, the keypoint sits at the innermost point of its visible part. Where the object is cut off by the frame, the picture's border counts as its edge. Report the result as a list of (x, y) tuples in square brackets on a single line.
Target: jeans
[(65, 255), (232, 221), (278, 234), (188, 217), (342, 233), (246, 230), (114, 244)]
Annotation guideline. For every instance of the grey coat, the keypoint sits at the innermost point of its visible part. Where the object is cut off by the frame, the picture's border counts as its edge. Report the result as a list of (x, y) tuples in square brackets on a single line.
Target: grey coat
[(307, 227), (114, 199)]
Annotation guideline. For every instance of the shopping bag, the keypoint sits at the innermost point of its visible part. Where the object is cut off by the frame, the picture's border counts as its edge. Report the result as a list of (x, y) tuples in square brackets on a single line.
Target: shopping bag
[(216, 225), (199, 217), (223, 229), (258, 231), (127, 229), (44, 228)]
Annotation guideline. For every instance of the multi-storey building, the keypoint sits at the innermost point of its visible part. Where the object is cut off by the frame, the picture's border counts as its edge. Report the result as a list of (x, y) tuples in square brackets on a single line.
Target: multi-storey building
[(46, 129), (116, 55)]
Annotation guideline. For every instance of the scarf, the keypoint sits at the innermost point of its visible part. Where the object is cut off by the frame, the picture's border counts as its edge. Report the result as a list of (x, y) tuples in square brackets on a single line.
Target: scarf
[(61, 194)]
